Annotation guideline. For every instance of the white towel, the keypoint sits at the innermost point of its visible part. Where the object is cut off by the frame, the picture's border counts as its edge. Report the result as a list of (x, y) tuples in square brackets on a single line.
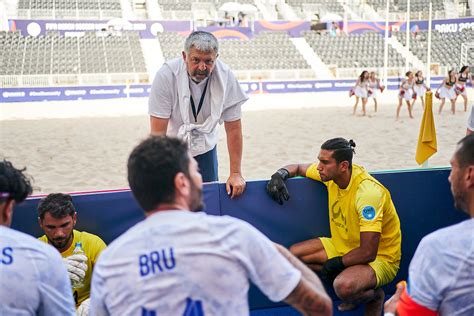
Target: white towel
[(217, 88)]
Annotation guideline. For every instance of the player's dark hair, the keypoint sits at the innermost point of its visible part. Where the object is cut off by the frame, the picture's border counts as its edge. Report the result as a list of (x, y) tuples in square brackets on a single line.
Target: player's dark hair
[(14, 184), (59, 205), (152, 168), (465, 151), (342, 150), (408, 73), (463, 68)]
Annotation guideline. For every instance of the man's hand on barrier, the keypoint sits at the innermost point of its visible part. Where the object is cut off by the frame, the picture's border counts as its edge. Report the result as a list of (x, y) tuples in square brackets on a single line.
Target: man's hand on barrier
[(332, 268), (235, 185), (76, 267), (276, 187)]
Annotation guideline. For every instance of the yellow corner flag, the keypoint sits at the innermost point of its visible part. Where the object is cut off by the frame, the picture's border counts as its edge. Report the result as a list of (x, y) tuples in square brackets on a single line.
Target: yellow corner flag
[(427, 145)]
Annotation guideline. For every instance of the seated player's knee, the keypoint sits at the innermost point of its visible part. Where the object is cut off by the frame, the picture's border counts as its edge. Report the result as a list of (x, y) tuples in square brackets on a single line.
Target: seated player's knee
[(344, 288)]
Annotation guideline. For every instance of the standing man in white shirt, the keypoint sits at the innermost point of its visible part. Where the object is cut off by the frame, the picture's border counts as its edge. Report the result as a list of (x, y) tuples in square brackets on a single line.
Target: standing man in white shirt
[(181, 262), (33, 278), (190, 96)]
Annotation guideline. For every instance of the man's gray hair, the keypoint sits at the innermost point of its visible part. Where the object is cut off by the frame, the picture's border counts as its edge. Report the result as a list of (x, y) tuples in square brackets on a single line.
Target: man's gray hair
[(202, 41)]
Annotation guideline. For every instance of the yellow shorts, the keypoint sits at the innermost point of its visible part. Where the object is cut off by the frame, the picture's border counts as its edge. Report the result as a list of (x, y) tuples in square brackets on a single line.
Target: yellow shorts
[(385, 271)]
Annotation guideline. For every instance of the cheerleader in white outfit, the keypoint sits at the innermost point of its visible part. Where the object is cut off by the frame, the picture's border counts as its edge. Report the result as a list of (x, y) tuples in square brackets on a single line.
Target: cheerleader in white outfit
[(446, 91), (406, 93), (361, 90), (460, 87), (374, 87), (420, 88)]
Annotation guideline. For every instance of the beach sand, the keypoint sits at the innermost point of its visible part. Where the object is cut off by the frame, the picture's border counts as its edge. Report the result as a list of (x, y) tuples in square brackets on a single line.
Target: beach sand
[(84, 145)]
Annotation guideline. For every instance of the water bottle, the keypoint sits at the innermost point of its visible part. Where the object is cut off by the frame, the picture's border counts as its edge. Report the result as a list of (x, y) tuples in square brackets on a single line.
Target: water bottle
[(78, 251)]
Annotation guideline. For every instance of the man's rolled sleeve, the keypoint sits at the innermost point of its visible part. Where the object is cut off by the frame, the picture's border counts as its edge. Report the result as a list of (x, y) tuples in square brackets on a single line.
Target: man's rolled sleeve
[(233, 113), (161, 99), (234, 98), (369, 205)]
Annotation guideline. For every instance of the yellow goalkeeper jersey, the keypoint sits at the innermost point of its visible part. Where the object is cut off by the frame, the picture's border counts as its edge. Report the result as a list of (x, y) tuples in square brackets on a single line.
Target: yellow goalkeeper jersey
[(364, 206), (92, 246)]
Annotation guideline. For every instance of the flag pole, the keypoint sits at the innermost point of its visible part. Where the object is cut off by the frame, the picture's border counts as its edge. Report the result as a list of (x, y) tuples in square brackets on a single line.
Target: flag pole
[(428, 57), (385, 57), (428, 65), (407, 64)]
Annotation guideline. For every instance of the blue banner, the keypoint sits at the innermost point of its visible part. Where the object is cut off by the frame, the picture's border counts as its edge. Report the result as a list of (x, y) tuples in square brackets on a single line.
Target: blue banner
[(443, 26), (72, 93), (137, 91), (146, 29)]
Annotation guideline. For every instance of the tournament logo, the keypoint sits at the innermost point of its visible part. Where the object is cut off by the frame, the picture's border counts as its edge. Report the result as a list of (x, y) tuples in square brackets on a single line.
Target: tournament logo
[(368, 213)]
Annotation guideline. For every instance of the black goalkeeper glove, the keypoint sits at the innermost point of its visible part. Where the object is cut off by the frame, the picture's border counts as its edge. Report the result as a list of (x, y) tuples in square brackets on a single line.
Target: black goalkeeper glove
[(276, 187), (332, 268)]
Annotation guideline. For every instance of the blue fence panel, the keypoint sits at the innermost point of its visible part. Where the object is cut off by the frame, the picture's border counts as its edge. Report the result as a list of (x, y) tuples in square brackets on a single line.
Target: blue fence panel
[(422, 198)]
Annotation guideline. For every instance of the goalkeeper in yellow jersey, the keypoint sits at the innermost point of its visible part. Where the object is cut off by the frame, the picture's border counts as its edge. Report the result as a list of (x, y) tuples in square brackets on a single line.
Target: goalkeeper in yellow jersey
[(364, 250), (57, 217)]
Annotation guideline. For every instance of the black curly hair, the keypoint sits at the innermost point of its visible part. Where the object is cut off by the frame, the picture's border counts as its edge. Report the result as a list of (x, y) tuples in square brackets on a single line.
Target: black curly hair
[(14, 184), (59, 205), (342, 149), (152, 167)]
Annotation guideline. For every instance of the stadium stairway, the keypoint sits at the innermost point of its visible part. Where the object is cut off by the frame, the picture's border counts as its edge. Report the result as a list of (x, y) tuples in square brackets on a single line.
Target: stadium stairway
[(353, 12), (153, 55), (365, 11), (286, 11), (268, 11), (320, 68), (412, 59), (127, 12)]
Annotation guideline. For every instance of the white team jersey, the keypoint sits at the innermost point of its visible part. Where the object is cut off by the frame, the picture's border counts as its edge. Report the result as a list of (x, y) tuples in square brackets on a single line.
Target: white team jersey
[(184, 263), (441, 273), (33, 277)]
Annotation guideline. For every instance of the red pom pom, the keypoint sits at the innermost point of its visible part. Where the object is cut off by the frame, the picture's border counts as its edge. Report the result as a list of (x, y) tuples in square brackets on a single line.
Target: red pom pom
[(382, 88), (414, 96), (437, 95), (351, 93), (402, 92)]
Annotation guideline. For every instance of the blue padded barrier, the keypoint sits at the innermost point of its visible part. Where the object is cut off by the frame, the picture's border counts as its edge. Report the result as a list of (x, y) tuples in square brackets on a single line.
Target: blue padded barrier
[(422, 198)]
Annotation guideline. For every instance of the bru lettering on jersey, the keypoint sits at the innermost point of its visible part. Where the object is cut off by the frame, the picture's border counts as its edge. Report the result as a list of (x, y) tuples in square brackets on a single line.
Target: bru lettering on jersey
[(157, 261)]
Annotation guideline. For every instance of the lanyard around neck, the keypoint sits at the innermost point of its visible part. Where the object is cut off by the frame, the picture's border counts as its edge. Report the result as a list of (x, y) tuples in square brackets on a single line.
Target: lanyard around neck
[(193, 106)]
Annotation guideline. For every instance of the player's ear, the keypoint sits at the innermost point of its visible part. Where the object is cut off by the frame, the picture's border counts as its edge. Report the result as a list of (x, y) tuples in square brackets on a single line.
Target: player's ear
[(344, 165)]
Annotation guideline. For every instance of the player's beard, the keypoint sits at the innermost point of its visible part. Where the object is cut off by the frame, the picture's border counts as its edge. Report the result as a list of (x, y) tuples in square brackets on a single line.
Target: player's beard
[(61, 243), (459, 200), (196, 202)]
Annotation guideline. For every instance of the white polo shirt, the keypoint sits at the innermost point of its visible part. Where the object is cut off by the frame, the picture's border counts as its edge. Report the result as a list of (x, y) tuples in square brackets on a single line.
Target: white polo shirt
[(470, 119), (33, 277), (171, 91), (177, 261)]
